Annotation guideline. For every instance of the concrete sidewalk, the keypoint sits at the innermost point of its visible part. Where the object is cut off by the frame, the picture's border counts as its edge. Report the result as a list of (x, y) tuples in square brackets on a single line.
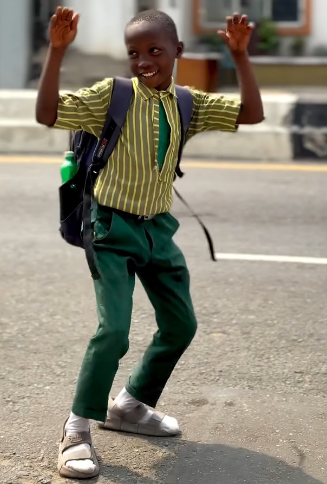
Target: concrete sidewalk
[(295, 128)]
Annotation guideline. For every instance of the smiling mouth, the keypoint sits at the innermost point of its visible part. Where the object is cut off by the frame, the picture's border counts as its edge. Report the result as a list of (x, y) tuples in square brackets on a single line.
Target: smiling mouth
[(149, 75)]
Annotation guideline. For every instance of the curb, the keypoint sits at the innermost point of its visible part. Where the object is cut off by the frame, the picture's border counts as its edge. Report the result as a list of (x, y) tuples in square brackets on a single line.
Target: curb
[(295, 129)]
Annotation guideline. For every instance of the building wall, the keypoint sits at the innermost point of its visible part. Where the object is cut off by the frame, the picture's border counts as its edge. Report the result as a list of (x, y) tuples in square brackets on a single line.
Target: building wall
[(15, 43), (318, 35), (181, 13), (101, 26)]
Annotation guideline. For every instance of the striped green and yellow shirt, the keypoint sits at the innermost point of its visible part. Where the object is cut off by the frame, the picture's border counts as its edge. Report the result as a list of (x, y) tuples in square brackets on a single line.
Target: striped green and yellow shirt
[(132, 181)]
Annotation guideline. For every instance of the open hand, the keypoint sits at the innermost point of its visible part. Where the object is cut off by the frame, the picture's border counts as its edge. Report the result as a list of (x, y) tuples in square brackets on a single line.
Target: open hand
[(237, 34), (63, 27)]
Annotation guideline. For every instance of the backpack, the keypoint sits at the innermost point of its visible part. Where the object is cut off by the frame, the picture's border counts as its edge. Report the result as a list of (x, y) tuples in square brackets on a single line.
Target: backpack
[(92, 154)]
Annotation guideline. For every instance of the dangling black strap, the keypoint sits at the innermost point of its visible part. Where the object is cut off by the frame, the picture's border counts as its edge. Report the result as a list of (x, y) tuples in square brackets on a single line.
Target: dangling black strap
[(205, 230), (87, 224)]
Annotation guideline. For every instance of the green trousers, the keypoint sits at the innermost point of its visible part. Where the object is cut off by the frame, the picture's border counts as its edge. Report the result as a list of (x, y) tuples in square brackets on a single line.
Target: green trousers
[(125, 247)]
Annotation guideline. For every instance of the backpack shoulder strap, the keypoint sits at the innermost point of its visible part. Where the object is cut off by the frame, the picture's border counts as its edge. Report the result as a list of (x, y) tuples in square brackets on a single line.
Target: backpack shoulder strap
[(185, 108), (121, 97)]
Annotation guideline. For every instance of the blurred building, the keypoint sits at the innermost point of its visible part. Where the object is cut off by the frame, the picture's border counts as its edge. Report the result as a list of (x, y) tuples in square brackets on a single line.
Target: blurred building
[(295, 19), (102, 24), (23, 27)]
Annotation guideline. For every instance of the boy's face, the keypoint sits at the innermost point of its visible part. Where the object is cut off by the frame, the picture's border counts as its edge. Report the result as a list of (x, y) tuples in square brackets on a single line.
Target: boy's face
[(152, 53)]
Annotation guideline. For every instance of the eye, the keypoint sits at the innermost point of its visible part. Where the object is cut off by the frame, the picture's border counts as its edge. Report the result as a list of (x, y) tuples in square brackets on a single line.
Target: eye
[(154, 50), (132, 55)]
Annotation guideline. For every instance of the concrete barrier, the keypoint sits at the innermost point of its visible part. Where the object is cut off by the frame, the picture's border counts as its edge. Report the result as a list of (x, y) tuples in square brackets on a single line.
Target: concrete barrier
[(294, 128)]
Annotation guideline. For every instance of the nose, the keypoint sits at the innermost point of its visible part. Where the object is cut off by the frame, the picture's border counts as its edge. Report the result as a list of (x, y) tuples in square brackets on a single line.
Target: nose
[(144, 63)]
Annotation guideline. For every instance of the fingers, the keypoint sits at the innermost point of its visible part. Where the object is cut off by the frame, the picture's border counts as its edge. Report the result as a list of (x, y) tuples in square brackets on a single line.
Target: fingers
[(244, 20), (59, 14), (75, 20), (64, 15), (229, 22), (237, 19), (223, 35), (250, 27), (53, 21)]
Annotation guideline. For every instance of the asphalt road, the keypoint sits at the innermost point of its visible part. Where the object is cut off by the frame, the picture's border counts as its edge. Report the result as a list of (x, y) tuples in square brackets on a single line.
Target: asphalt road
[(251, 391)]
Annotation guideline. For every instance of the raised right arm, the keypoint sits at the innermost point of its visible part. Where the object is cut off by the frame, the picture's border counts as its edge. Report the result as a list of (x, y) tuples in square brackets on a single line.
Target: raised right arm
[(62, 32), (87, 108)]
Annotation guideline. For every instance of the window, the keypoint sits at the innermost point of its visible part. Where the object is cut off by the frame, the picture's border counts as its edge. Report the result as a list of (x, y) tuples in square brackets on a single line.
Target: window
[(285, 12), (290, 11)]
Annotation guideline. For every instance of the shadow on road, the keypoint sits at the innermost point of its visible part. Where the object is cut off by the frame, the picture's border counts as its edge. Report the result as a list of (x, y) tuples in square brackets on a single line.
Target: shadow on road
[(215, 464)]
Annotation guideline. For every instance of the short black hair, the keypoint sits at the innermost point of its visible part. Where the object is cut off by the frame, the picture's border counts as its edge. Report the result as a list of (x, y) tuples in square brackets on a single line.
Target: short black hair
[(158, 17)]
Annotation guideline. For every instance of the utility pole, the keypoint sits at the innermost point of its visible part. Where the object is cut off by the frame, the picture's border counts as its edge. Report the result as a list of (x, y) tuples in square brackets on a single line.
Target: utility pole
[(15, 43)]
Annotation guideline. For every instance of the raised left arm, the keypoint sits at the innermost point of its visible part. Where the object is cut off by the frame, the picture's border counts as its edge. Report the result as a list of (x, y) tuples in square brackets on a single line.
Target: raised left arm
[(237, 37), (252, 108)]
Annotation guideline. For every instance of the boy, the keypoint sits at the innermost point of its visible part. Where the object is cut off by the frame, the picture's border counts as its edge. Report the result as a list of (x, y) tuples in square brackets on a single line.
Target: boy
[(133, 229)]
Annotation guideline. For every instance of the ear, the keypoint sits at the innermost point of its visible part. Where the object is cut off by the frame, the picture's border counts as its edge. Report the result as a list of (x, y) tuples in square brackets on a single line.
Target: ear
[(180, 50)]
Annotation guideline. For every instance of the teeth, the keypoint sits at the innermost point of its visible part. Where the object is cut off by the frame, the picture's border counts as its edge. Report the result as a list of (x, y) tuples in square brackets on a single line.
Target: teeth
[(149, 74)]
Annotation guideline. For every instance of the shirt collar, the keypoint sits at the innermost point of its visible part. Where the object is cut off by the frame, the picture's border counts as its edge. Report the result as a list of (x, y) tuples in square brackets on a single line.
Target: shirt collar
[(147, 93)]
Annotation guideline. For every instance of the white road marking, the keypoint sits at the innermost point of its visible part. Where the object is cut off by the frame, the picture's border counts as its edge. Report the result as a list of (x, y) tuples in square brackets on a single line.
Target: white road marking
[(272, 258)]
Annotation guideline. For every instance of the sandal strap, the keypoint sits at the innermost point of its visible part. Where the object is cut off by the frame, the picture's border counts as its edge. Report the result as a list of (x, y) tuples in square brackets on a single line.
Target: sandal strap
[(134, 415), (76, 439)]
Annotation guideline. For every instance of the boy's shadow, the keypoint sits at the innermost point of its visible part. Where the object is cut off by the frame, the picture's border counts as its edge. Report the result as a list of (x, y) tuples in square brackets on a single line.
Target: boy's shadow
[(196, 463)]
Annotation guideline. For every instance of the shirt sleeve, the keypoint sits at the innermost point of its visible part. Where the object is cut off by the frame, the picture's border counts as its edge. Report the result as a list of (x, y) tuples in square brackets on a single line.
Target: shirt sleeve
[(212, 112), (85, 109)]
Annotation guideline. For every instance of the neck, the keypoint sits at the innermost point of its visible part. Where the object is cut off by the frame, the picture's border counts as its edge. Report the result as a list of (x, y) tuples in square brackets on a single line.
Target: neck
[(165, 85)]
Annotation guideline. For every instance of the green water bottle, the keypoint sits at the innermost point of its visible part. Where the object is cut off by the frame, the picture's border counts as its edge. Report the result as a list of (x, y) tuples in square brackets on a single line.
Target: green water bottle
[(69, 167)]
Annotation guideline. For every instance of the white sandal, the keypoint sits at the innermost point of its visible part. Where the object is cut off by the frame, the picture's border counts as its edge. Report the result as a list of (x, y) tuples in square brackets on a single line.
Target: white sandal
[(120, 421), (69, 441)]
